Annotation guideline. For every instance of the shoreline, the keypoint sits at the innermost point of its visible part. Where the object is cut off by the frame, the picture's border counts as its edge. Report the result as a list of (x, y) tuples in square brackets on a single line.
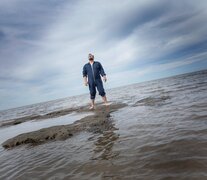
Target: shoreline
[(97, 123)]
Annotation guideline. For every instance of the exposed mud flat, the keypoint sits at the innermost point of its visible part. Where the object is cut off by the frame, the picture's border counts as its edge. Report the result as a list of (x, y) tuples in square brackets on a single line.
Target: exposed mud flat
[(153, 101), (45, 116), (97, 123)]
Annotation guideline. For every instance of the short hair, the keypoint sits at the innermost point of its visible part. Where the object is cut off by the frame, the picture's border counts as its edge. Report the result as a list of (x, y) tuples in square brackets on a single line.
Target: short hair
[(91, 55)]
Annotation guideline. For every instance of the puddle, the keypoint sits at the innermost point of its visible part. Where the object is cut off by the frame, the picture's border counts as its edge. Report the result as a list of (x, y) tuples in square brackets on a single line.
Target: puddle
[(11, 131)]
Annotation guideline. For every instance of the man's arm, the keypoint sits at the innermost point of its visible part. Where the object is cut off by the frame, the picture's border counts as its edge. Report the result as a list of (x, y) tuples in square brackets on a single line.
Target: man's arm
[(102, 72), (85, 81)]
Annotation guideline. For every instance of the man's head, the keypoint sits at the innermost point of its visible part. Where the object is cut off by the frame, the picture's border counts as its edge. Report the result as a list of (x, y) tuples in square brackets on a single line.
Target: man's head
[(90, 57)]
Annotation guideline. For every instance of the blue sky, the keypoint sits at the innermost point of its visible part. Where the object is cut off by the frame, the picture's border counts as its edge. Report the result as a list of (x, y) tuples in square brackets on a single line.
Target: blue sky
[(44, 44)]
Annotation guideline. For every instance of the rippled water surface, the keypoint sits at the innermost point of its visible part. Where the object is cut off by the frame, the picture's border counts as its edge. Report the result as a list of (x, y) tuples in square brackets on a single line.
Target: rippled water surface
[(161, 134)]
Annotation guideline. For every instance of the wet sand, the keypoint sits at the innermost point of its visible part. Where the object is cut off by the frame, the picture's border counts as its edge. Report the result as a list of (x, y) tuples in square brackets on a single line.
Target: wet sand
[(97, 123)]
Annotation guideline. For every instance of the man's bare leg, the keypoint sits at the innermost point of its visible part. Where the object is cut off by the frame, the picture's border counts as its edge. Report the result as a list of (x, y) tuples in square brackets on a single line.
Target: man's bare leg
[(105, 101), (92, 104)]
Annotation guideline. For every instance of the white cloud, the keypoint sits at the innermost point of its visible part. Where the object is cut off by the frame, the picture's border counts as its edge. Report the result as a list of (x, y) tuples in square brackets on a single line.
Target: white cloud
[(49, 50), (138, 75)]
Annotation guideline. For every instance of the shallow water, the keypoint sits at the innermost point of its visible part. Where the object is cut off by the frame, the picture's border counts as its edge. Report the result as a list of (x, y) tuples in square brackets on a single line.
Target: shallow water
[(12, 131), (162, 134)]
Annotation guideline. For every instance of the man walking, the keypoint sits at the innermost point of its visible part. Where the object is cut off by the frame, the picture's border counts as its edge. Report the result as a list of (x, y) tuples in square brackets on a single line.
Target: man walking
[(92, 72)]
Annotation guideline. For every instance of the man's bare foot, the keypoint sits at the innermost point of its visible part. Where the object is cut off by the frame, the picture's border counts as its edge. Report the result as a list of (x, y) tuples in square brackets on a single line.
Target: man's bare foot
[(107, 103), (92, 107)]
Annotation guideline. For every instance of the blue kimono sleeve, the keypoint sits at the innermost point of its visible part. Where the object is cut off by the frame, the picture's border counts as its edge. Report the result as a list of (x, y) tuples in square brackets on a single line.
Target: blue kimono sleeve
[(102, 72), (84, 71)]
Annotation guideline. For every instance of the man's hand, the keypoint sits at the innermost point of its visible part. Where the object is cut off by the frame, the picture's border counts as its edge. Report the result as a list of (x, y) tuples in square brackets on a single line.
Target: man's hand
[(85, 81), (104, 78)]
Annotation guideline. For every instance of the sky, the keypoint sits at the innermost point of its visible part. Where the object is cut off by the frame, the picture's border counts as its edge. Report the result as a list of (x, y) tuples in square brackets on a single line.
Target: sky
[(44, 44)]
